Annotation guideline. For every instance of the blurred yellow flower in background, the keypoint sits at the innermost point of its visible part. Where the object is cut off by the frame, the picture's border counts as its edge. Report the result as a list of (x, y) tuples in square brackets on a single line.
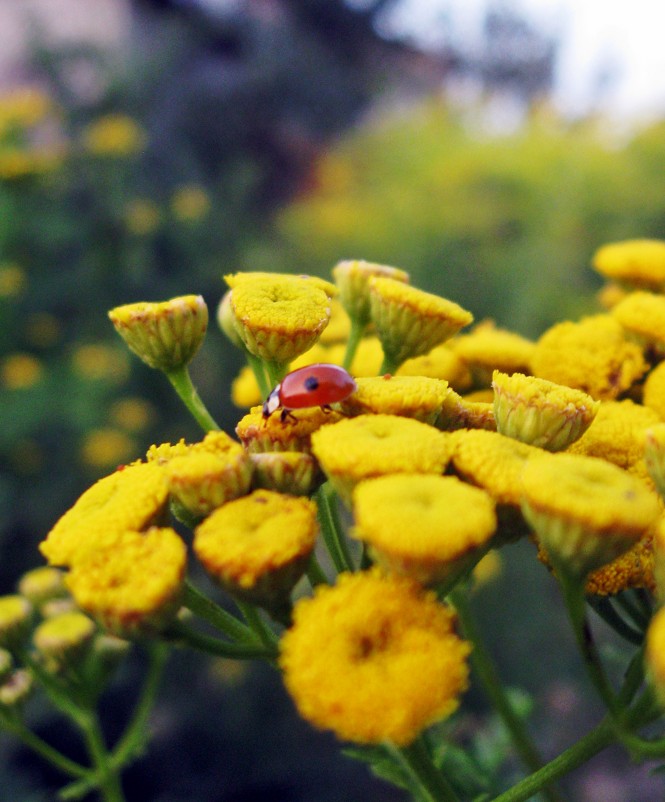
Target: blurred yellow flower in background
[(115, 135)]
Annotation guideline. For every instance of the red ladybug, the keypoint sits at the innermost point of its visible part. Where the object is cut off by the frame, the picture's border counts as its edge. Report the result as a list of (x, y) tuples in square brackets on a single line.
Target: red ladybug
[(316, 385)]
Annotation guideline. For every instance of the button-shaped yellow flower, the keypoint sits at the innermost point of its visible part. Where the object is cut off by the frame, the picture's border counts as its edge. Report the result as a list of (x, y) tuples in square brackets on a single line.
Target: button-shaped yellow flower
[(422, 526), (492, 461), (164, 335), (416, 397), (294, 433), (292, 472), (133, 587), (442, 362), (373, 659), (633, 569), (258, 547), (488, 348), (63, 640), (352, 278), (410, 322), (41, 585), (202, 480), (593, 355), (15, 620), (131, 498), (653, 390), (634, 262), (585, 511), (642, 314), (540, 412), (374, 445), (279, 319)]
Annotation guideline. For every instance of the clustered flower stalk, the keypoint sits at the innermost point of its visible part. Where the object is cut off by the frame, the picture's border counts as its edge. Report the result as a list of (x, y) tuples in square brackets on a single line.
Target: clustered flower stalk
[(345, 539)]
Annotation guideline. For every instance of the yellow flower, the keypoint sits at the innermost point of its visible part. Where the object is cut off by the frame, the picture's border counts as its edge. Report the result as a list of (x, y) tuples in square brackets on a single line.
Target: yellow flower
[(585, 511), (458, 412), (294, 433), (618, 435), (63, 640), (164, 452), (352, 278), (373, 659), (141, 216), (131, 498), (655, 654), (278, 320), (113, 135), (107, 447), (492, 461), (540, 412), (133, 413), (134, 586), (13, 280), (252, 277), (488, 347), (409, 396), (20, 371), (610, 295), (190, 203), (410, 322), (201, 481), (422, 526), (42, 584), (292, 472), (95, 361), (15, 618), (642, 314), (164, 335), (374, 445), (653, 391), (258, 547), (442, 362), (633, 569), (635, 263), (592, 355)]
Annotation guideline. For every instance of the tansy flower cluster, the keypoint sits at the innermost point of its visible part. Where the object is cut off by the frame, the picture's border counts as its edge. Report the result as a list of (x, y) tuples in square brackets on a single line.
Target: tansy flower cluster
[(345, 523)]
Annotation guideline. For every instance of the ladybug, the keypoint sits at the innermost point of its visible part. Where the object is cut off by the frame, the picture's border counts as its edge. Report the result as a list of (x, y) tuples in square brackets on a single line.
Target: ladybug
[(316, 385)]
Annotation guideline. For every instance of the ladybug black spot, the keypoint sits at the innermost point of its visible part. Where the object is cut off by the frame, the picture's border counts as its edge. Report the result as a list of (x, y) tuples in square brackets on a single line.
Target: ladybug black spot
[(311, 384)]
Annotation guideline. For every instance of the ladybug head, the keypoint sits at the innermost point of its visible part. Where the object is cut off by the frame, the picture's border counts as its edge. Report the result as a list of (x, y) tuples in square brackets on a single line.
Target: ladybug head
[(272, 402)]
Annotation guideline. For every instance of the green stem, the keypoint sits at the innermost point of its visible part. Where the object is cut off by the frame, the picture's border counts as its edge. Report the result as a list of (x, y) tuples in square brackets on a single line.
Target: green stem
[(573, 594), (205, 643), (205, 608), (576, 755), (429, 782), (182, 383), (259, 372), (489, 678), (388, 365), (108, 780), (355, 336), (315, 572), (134, 737), (257, 625), (331, 528), (276, 372), (44, 750)]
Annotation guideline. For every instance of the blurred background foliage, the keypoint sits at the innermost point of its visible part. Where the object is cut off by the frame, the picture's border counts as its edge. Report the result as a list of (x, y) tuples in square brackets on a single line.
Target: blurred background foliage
[(271, 136)]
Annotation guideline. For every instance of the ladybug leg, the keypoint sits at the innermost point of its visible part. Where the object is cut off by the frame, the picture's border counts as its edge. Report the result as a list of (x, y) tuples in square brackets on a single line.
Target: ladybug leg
[(287, 413), (326, 408)]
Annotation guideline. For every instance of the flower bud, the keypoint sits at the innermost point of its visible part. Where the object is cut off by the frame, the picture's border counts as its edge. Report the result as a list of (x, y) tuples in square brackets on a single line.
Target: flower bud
[(64, 639), (539, 412), (42, 585), (15, 620), (164, 335), (16, 688)]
